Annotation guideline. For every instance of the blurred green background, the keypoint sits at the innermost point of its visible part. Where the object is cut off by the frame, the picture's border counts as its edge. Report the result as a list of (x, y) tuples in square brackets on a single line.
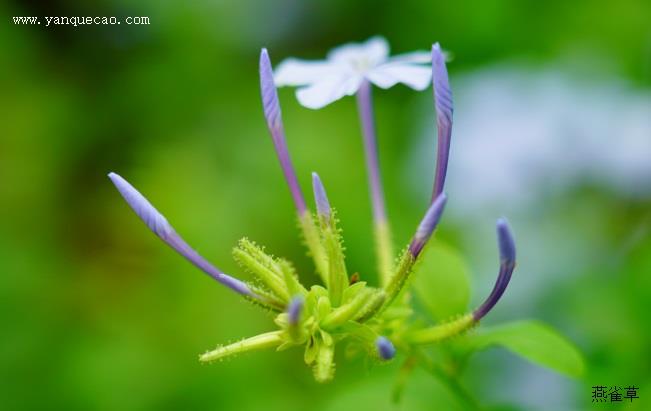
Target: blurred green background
[(97, 314)]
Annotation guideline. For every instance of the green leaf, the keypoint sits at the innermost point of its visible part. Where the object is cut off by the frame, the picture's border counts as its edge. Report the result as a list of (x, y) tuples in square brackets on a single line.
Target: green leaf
[(442, 282), (534, 341), (373, 393)]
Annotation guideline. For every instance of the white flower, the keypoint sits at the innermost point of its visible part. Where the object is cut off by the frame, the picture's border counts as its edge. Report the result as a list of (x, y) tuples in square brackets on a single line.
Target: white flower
[(347, 66)]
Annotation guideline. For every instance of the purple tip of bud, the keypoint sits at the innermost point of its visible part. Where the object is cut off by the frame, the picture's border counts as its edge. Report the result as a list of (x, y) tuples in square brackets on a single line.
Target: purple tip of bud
[(505, 242), (268, 90), (507, 265), (444, 109), (143, 208), (385, 348), (271, 108), (294, 309), (159, 225), (320, 196), (428, 225)]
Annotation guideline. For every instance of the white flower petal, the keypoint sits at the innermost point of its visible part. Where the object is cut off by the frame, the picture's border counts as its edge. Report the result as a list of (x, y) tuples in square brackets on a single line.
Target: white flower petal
[(372, 52), (295, 72), (416, 57), (327, 90), (414, 76), (419, 57)]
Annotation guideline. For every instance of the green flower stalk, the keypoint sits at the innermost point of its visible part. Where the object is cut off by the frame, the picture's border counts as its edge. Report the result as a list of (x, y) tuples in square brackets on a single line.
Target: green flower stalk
[(382, 231), (337, 274), (341, 311)]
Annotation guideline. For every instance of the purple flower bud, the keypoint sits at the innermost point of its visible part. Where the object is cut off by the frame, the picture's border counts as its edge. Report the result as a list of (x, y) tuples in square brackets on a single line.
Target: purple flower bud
[(320, 197), (271, 108), (506, 245), (270, 103), (444, 109), (159, 225), (385, 348), (505, 242), (427, 225), (294, 309)]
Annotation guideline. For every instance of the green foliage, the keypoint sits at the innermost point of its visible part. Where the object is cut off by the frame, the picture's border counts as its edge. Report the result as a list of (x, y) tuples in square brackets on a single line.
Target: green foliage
[(534, 341), (421, 393), (442, 282)]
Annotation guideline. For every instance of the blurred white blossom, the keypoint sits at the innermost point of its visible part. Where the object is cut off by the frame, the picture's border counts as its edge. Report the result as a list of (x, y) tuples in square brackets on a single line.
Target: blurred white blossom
[(346, 67), (520, 136)]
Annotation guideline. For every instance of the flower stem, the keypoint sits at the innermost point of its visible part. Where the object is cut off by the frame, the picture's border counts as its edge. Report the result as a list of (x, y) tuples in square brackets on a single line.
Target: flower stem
[(346, 312), (314, 246), (382, 232), (443, 331), (337, 274), (404, 373), (384, 250), (397, 282), (267, 340), (466, 399)]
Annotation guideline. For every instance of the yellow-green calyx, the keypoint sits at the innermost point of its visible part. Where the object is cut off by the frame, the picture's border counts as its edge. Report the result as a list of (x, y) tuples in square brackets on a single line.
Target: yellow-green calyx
[(368, 319)]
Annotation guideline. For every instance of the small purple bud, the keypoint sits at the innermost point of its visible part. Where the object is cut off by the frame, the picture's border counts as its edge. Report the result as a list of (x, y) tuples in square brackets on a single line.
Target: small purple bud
[(159, 225), (294, 309), (385, 348), (271, 108), (505, 241), (506, 246), (427, 225), (444, 109), (320, 197)]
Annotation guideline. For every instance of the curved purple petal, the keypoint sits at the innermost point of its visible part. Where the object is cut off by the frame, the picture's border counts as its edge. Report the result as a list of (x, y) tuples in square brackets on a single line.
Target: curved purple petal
[(444, 109), (271, 107), (159, 225), (427, 225), (505, 241), (506, 245)]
